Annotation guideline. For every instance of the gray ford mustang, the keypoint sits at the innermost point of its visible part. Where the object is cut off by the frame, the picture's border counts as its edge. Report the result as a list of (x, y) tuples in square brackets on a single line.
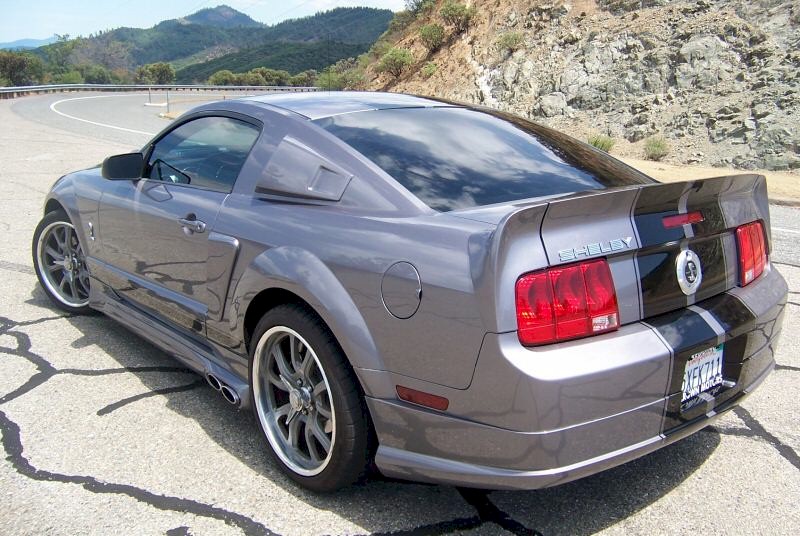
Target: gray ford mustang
[(454, 294)]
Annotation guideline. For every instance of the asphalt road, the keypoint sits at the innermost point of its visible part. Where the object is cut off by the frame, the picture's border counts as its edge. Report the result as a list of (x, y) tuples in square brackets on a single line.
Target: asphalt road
[(104, 434)]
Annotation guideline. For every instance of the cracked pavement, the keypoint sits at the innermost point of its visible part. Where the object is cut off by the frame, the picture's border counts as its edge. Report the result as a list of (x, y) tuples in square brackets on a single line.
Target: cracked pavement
[(104, 434)]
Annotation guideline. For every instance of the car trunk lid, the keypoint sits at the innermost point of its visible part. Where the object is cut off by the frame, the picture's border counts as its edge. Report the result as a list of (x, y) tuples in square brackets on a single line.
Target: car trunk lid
[(626, 226)]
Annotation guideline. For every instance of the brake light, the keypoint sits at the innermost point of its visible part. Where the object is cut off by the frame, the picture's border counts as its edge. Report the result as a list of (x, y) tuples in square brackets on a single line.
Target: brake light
[(566, 302), (679, 220), (752, 251)]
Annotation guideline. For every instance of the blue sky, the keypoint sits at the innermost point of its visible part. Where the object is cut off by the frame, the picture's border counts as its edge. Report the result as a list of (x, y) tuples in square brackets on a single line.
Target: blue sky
[(42, 18)]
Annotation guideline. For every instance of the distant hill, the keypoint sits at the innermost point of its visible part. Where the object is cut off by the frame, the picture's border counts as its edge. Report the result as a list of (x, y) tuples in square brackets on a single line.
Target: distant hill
[(299, 44), (287, 56), (21, 44), (222, 17), (214, 33), (342, 24)]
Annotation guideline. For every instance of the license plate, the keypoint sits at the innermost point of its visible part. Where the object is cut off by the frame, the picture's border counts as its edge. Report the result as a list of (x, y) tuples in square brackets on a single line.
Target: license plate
[(703, 373)]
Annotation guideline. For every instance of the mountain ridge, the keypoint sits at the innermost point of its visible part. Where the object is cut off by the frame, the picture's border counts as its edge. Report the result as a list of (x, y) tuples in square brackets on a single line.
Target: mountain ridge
[(27, 43), (223, 31)]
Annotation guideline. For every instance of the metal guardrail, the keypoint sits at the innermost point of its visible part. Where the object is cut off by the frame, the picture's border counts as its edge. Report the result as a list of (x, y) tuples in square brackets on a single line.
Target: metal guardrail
[(18, 91)]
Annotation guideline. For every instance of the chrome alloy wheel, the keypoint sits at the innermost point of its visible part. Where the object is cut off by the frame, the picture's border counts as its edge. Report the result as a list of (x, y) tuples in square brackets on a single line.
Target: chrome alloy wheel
[(293, 401), (62, 264)]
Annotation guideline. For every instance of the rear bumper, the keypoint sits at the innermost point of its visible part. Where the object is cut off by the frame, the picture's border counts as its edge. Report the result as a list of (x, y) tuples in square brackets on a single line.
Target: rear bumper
[(538, 418)]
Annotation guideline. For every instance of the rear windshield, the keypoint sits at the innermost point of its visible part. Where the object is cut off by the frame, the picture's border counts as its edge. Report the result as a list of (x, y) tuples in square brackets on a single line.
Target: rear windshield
[(454, 158)]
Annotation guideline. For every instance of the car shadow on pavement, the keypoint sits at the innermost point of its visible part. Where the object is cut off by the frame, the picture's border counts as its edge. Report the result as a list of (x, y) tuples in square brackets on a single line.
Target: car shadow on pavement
[(381, 505)]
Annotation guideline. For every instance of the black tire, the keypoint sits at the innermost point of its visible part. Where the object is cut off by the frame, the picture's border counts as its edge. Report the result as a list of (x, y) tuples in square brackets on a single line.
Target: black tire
[(350, 452), (79, 305)]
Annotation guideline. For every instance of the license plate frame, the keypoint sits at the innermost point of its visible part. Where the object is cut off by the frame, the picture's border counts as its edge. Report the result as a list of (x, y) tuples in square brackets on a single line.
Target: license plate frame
[(702, 374)]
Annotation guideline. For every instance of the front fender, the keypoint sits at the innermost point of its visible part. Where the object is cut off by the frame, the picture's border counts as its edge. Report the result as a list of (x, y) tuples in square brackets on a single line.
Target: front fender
[(302, 273), (79, 195)]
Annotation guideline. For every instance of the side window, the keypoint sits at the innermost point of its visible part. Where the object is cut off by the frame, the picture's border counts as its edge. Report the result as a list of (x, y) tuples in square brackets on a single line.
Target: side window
[(207, 152)]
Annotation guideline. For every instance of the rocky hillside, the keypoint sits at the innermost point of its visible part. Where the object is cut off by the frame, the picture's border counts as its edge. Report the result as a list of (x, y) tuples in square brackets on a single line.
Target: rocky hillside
[(719, 79)]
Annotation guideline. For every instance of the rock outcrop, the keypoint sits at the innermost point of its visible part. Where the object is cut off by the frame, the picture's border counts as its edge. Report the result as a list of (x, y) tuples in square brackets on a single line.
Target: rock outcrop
[(720, 79)]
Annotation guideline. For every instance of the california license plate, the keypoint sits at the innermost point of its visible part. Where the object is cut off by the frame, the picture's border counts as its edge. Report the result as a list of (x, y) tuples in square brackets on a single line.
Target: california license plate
[(703, 373)]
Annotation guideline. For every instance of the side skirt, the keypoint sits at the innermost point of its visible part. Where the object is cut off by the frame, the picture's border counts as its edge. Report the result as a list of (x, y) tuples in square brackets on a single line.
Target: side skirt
[(195, 355)]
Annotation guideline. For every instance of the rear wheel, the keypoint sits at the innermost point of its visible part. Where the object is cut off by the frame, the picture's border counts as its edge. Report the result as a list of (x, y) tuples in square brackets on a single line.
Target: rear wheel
[(307, 400), (60, 263)]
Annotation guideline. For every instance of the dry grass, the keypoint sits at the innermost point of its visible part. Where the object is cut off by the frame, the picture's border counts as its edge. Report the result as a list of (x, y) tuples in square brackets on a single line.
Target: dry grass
[(783, 187)]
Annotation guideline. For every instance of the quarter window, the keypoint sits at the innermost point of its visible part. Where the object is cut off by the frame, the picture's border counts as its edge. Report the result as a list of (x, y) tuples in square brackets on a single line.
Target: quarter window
[(207, 152)]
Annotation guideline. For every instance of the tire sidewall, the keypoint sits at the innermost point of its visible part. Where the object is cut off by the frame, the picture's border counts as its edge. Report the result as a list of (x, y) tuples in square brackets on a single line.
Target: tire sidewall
[(331, 358), (56, 216)]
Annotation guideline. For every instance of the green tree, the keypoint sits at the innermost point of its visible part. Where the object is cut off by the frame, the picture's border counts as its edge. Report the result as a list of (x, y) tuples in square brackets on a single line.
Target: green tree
[(419, 6), (328, 79), (222, 78), (155, 73), (95, 74), (400, 21), (395, 62), (69, 77), (432, 36), (57, 55), (250, 78), (20, 69), (304, 79), (428, 69), (457, 15), (273, 77)]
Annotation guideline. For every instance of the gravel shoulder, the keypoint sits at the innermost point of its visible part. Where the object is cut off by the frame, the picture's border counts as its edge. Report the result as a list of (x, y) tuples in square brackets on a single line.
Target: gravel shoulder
[(783, 187)]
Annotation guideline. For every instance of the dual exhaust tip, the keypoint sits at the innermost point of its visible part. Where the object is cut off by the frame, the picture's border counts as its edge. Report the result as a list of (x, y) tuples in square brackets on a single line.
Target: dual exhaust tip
[(225, 390)]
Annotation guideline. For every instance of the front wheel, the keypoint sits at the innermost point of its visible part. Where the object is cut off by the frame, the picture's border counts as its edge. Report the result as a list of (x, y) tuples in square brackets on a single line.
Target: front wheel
[(60, 263), (307, 401)]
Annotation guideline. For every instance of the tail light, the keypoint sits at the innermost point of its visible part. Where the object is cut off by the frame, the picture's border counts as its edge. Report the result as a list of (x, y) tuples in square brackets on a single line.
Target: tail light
[(752, 251), (566, 302)]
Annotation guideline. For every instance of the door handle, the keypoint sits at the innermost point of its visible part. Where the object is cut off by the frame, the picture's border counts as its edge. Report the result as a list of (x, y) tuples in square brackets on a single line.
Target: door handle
[(192, 225)]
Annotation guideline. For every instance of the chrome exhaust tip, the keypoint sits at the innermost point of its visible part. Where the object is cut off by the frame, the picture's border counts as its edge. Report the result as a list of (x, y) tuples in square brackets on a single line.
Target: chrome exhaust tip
[(229, 395), (214, 382)]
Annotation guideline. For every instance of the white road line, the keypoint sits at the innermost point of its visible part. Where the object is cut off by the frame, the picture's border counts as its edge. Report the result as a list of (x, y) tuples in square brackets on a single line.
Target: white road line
[(53, 108), (782, 230)]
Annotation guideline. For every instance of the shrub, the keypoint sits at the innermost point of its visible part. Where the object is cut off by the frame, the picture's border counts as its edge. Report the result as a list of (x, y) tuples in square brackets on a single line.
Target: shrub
[(272, 77), (457, 15), (155, 73), (601, 141), (380, 48), (432, 36), (400, 21), (419, 6), (428, 69), (222, 78), (656, 148), (95, 74), (304, 79), (250, 78), (510, 41), (329, 80), (20, 69), (69, 77), (395, 61)]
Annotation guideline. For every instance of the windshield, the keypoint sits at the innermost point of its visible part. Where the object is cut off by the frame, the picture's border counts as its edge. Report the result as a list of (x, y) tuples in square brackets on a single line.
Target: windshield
[(454, 158)]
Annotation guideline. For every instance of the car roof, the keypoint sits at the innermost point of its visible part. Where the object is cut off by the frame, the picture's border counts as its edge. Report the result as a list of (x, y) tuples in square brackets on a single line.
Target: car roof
[(320, 104)]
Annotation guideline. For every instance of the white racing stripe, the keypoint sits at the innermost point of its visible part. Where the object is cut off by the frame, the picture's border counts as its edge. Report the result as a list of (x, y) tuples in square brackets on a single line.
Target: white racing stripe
[(53, 108), (783, 230)]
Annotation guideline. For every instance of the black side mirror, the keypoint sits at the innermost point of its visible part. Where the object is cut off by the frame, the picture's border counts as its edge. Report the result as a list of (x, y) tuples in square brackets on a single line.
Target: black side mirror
[(123, 166)]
